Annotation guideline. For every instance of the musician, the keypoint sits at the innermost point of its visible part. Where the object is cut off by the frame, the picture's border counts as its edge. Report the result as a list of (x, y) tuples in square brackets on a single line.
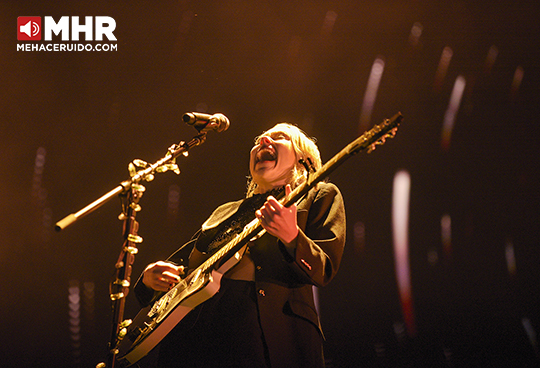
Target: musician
[(264, 314)]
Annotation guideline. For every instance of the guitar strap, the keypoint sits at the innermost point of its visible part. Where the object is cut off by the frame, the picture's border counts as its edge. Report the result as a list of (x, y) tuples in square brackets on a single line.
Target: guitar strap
[(210, 243)]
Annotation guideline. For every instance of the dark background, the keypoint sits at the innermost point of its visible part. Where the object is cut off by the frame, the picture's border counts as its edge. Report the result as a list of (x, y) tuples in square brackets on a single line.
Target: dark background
[(72, 121)]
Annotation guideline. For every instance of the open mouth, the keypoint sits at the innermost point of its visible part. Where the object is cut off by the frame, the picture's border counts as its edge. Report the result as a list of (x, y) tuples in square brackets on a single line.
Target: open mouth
[(265, 154)]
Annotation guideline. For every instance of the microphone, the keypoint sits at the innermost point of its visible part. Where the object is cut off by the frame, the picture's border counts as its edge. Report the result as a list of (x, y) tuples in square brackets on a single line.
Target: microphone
[(205, 122)]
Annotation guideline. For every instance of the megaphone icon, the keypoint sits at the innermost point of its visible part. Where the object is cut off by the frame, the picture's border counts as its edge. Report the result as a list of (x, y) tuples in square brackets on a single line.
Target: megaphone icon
[(31, 29)]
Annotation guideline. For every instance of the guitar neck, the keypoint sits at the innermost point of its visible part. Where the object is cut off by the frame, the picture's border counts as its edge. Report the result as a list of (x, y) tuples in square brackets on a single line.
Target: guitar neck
[(156, 321), (369, 140), (249, 231)]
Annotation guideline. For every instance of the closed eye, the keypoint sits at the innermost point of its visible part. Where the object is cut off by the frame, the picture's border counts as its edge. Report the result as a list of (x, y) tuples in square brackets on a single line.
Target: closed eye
[(275, 136), (280, 135)]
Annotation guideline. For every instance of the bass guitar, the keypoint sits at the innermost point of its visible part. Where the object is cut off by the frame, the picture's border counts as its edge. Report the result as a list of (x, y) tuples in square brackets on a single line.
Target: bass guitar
[(154, 322)]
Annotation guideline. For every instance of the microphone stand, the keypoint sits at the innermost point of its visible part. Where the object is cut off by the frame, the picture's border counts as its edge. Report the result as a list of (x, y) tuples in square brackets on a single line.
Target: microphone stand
[(130, 191)]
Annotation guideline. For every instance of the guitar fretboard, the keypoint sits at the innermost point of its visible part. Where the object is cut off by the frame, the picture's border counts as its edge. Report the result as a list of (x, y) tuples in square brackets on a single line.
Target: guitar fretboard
[(369, 140)]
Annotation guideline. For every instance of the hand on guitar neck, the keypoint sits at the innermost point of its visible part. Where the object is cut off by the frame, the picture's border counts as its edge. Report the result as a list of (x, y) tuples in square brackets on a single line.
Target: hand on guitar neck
[(278, 220), (314, 261)]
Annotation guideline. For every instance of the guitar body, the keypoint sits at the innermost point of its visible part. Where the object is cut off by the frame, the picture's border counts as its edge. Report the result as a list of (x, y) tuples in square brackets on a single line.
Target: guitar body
[(154, 322)]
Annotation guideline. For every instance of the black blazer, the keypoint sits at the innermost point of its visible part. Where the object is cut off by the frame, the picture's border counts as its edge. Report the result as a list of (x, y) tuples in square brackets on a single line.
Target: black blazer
[(285, 276)]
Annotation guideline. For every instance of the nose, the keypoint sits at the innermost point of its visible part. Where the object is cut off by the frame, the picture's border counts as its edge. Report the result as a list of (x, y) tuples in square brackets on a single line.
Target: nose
[(266, 141)]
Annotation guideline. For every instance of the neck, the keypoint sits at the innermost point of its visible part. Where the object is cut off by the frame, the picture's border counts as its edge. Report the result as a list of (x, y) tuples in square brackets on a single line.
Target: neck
[(263, 190), (278, 182)]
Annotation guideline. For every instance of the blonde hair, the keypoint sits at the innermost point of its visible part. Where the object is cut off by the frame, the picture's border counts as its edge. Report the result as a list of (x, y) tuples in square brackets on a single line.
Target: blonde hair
[(305, 148)]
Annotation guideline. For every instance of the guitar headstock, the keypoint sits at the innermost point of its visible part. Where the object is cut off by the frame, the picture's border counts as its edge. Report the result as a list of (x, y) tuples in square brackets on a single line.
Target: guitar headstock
[(377, 135), (382, 140)]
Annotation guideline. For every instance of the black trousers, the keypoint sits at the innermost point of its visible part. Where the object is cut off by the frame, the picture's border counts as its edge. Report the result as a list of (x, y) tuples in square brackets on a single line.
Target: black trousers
[(222, 332)]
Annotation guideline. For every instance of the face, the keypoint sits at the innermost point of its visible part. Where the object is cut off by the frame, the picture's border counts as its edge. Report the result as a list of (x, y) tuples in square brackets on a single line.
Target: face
[(272, 160)]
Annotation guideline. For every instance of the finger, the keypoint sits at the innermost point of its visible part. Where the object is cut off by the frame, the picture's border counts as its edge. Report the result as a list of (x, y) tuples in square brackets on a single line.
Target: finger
[(180, 270), (171, 269), (167, 282), (288, 191), (266, 210), (168, 267), (268, 216), (170, 277), (271, 206), (274, 203), (263, 219)]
